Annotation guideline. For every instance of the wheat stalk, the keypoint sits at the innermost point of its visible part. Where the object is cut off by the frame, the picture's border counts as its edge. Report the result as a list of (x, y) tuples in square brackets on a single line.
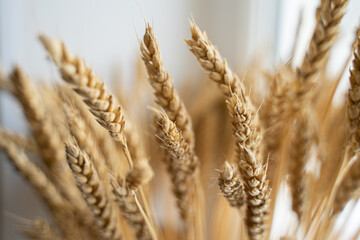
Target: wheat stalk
[(93, 191), (161, 81), (231, 186)]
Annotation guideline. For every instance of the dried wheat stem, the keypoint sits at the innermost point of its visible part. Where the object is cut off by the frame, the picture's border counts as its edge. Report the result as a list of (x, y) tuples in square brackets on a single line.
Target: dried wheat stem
[(40, 230), (93, 191), (251, 166), (329, 16), (298, 154), (212, 62), (132, 211), (231, 186), (162, 83), (23, 142), (182, 163)]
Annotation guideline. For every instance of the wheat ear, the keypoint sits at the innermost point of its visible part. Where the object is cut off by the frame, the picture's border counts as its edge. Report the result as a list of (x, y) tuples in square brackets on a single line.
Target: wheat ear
[(182, 163), (93, 191), (40, 230), (231, 186), (212, 62), (131, 212), (298, 154), (329, 16), (253, 170), (352, 181), (87, 84), (47, 138), (161, 81)]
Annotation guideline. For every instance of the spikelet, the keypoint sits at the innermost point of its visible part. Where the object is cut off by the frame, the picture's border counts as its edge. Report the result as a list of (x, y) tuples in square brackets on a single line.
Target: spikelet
[(161, 81), (231, 186), (182, 163), (93, 191)]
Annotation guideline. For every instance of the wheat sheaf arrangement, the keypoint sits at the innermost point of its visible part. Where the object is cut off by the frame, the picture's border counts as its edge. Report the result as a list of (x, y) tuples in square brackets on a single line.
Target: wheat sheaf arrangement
[(105, 160)]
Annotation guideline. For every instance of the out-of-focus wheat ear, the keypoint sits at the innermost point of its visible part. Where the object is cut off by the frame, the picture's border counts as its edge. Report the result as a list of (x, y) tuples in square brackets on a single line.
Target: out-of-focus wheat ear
[(93, 191), (39, 229), (351, 182), (298, 156), (142, 172), (161, 81), (231, 186), (329, 15), (5, 84), (252, 168), (212, 62), (136, 217), (59, 207), (181, 162), (23, 142), (103, 105), (47, 138)]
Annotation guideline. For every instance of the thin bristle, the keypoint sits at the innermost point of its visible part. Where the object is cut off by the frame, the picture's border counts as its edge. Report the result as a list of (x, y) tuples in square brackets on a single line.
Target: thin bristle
[(231, 186)]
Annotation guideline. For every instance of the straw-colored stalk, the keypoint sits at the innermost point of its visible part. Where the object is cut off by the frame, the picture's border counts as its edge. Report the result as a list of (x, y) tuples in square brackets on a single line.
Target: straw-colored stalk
[(23, 142)]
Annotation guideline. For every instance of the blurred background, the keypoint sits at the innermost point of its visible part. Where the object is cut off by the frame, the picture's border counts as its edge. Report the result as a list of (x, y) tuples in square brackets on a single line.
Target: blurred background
[(105, 33)]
